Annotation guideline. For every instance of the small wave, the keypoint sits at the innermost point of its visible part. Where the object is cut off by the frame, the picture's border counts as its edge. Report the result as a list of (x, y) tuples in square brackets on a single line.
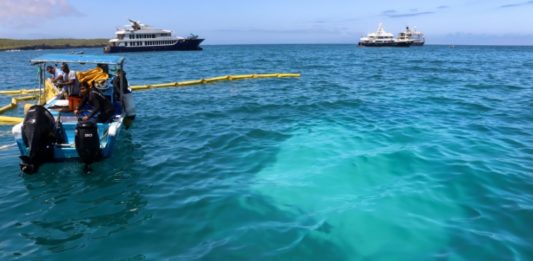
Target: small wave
[(7, 146)]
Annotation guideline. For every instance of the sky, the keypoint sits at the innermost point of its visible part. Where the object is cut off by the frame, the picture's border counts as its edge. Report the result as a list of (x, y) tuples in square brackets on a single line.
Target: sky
[(491, 22)]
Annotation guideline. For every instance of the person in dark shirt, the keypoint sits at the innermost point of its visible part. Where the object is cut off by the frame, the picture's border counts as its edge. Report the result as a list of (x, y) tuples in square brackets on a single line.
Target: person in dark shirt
[(123, 94), (93, 106), (120, 84)]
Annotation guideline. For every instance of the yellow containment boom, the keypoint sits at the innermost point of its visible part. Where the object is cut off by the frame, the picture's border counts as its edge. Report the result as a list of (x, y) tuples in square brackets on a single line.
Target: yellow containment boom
[(14, 102), (19, 92), (94, 75), (178, 84), (6, 120), (214, 79)]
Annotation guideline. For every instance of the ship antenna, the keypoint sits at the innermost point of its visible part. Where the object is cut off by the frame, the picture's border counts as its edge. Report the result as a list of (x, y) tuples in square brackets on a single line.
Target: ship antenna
[(135, 24)]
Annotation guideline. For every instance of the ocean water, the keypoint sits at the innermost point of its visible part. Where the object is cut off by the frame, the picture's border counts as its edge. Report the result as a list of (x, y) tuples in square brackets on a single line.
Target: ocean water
[(372, 154)]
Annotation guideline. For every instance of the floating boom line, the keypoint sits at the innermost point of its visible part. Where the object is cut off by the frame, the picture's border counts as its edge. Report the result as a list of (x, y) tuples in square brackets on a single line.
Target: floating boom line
[(6, 120)]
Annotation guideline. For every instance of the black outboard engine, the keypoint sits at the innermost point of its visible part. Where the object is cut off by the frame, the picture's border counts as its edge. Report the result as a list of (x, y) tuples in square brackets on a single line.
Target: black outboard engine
[(38, 134), (87, 142)]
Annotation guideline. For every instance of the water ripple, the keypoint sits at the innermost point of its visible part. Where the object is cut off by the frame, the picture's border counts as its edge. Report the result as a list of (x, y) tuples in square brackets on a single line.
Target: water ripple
[(425, 148)]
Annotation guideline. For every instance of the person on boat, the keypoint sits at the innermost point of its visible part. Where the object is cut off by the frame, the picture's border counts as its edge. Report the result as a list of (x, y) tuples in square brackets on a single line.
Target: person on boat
[(122, 93), (70, 85), (57, 74), (104, 67), (93, 106)]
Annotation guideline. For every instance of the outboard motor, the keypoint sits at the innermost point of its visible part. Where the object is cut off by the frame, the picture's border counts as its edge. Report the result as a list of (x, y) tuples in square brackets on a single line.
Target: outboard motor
[(39, 135), (87, 142)]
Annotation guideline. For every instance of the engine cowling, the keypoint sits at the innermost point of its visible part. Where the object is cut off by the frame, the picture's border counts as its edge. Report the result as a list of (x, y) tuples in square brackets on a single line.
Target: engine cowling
[(87, 142), (39, 135)]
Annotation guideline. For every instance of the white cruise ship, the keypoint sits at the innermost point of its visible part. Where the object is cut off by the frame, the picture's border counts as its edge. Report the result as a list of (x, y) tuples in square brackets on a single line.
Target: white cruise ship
[(381, 38), (412, 35), (141, 37)]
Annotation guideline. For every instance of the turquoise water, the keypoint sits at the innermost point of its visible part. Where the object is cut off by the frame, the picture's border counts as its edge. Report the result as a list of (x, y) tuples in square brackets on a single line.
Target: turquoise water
[(373, 154)]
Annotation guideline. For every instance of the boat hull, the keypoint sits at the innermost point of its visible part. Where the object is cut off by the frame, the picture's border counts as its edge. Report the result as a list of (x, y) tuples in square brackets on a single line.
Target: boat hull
[(181, 45), (107, 134), (107, 131)]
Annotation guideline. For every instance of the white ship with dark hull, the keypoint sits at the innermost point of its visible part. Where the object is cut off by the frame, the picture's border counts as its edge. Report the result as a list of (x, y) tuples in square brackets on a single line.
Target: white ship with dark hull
[(412, 35), (381, 38), (138, 37)]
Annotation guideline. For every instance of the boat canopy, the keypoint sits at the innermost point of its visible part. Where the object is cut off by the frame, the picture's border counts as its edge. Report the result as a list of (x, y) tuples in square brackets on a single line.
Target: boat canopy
[(79, 58)]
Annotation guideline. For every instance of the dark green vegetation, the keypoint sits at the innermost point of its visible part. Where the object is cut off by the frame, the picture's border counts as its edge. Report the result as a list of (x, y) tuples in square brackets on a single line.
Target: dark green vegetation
[(7, 44)]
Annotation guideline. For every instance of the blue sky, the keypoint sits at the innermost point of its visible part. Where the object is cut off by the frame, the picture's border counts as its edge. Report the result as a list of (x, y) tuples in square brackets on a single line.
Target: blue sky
[(275, 21)]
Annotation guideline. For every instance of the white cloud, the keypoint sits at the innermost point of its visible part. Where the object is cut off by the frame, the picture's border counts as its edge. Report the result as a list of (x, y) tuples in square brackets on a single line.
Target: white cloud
[(25, 13)]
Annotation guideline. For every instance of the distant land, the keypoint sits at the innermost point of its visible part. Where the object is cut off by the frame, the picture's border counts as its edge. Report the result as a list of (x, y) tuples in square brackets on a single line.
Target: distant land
[(9, 44)]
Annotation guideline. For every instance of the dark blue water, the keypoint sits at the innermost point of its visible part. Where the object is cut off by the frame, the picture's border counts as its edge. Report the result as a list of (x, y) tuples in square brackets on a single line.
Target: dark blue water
[(380, 154)]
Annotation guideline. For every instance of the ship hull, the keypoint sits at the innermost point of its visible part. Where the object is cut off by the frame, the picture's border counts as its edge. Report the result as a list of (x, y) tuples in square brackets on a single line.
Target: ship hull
[(387, 44), (183, 45)]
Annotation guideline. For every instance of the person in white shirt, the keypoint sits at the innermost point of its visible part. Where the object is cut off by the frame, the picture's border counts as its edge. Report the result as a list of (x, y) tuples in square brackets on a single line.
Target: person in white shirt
[(57, 74), (70, 85)]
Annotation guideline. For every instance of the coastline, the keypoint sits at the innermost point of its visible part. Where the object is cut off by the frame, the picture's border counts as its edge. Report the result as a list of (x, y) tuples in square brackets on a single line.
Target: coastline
[(34, 44)]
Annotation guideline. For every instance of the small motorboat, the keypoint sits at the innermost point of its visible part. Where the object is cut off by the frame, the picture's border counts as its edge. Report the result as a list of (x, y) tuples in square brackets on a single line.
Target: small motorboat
[(52, 132)]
